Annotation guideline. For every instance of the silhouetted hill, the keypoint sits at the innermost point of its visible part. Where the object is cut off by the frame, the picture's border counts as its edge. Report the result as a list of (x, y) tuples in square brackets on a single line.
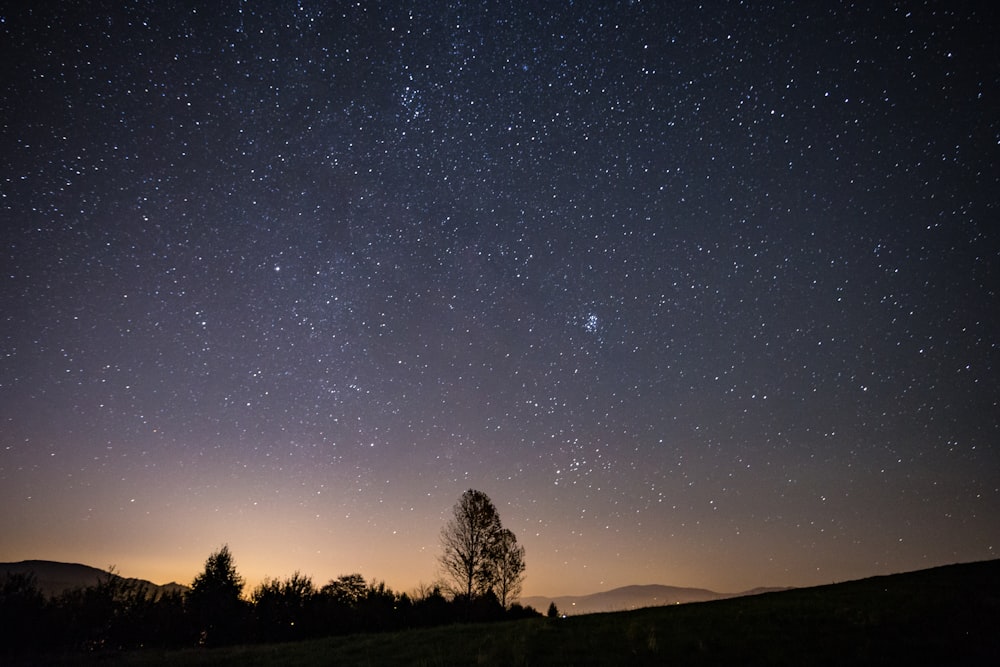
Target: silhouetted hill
[(632, 597), (54, 577)]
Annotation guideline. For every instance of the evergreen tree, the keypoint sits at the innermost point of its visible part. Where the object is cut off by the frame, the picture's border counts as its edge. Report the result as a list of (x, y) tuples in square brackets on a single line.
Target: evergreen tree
[(215, 599)]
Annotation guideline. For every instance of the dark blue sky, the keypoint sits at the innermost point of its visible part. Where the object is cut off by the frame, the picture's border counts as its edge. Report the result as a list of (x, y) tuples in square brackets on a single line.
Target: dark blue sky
[(701, 295)]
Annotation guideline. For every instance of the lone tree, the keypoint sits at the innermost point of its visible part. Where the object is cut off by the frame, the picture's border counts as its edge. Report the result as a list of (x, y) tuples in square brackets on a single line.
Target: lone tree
[(215, 598), (479, 555), (508, 567)]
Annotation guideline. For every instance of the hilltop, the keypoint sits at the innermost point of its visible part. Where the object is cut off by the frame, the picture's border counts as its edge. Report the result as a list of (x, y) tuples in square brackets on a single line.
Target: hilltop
[(632, 597), (54, 577)]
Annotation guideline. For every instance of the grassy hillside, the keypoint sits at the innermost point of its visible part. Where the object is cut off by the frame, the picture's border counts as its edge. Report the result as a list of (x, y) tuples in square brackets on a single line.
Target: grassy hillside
[(948, 615)]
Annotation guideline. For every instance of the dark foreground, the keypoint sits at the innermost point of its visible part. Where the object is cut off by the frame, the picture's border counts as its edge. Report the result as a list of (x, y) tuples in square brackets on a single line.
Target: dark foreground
[(943, 616)]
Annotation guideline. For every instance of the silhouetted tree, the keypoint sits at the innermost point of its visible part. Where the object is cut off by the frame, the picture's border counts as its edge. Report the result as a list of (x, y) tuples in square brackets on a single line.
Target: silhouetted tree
[(123, 606), (346, 589), (282, 609), (553, 611), (22, 613), (431, 608), (479, 609), (215, 599), (167, 624), (480, 556), (507, 567), (517, 611), (115, 613), (347, 604), (376, 611), (337, 602), (469, 543)]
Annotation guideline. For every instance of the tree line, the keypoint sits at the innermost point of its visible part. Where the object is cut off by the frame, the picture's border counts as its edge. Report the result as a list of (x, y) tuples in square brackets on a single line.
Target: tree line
[(482, 568)]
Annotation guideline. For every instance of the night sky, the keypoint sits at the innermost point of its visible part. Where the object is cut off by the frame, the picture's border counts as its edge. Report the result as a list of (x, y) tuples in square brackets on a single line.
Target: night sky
[(701, 294)]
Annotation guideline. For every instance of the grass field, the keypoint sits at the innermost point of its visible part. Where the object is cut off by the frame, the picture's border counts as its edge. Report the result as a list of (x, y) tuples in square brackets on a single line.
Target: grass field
[(943, 616)]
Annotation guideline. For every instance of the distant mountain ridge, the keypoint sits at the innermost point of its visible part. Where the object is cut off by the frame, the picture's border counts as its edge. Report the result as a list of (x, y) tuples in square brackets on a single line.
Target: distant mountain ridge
[(54, 577), (632, 597)]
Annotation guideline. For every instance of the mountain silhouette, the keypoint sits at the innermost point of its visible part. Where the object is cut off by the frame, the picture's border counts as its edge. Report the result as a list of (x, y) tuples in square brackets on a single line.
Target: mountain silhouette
[(632, 597), (54, 577)]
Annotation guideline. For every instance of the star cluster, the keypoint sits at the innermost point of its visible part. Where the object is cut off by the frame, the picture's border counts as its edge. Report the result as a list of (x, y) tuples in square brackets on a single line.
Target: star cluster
[(699, 294)]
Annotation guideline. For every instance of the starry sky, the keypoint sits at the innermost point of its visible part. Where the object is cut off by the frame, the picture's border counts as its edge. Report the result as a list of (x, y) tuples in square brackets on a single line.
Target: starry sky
[(702, 294)]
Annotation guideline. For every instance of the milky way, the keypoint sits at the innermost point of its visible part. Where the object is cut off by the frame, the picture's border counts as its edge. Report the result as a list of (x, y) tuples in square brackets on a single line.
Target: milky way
[(701, 295)]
